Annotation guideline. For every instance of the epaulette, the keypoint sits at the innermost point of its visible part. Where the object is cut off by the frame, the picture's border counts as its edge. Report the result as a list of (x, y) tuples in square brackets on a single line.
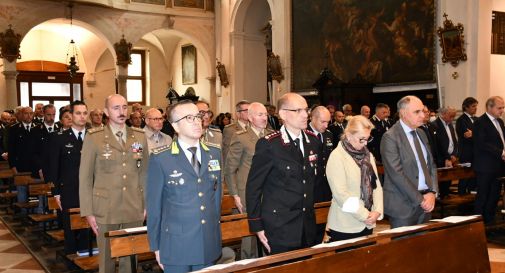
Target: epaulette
[(273, 135), (310, 133), (214, 129), (94, 130), (161, 149), (210, 144), (140, 130), (241, 132)]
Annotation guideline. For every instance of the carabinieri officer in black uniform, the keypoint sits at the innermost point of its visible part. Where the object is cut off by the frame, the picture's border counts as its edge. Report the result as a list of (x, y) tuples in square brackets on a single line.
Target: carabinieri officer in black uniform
[(280, 186)]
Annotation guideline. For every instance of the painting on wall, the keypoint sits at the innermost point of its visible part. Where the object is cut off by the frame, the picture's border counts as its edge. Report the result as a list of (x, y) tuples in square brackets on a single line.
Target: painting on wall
[(386, 42), (188, 64), (153, 2), (199, 4)]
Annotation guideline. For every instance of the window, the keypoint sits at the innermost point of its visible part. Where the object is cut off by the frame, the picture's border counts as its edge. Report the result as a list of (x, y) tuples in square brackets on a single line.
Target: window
[(48, 87), (136, 80)]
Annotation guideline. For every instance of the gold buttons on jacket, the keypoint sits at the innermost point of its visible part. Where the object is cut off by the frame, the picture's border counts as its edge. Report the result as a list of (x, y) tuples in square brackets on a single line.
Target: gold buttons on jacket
[(199, 180), (303, 181), (203, 221), (202, 207), (304, 195), (124, 176), (124, 188), (200, 194), (124, 164), (303, 209)]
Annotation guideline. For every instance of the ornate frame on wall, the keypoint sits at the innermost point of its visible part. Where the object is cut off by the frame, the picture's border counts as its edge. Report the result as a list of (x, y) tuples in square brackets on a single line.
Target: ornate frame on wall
[(452, 42)]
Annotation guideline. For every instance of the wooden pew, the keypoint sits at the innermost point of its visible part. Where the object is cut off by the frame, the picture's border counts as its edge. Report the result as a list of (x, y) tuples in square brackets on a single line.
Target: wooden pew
[(233, 229), (46, 219), (227, 204), (437, 247)]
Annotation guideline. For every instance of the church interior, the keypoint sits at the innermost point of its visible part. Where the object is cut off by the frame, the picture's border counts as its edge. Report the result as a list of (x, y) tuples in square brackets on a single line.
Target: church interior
[(155, 52)]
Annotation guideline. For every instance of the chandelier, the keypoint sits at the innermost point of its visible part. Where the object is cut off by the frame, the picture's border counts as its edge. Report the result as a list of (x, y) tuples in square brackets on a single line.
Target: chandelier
[(72, 56)]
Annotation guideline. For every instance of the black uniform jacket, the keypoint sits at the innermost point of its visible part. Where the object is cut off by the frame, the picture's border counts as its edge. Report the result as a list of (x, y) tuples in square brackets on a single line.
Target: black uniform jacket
[(280, 189)]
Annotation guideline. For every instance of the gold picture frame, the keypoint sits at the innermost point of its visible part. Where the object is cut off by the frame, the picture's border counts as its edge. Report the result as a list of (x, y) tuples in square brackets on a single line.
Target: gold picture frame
[(452, 42)]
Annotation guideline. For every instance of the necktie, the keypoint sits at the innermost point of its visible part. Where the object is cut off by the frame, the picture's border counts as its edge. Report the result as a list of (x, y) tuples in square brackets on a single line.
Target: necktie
[(320, 137), (498, 127), (49, 129), (119, 134), (79, 137), (28, 128), (194, 160), (420, 155), (454, 139), (297, 144)]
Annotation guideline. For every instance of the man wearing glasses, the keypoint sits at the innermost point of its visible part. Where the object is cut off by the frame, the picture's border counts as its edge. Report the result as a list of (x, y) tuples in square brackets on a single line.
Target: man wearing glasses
[(154, 123), (242, 121), (210, 134), (280, 186), (184, 196)]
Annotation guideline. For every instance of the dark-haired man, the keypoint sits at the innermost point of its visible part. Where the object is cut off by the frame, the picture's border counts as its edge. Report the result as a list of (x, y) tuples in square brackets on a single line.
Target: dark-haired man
[(184, 196), (464, 130), (64, 173)]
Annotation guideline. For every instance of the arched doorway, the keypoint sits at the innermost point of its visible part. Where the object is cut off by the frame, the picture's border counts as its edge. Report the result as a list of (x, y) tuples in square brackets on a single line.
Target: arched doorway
[(249, 50), (49, 42)]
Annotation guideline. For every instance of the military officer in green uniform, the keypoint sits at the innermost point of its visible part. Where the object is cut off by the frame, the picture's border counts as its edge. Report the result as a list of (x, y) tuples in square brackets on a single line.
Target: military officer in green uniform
[(112, 179), (238, 163), (241, 109), (210, 134)]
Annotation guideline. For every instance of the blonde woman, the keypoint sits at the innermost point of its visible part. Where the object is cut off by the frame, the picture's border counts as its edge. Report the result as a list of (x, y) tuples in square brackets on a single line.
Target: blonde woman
[(352, 175)]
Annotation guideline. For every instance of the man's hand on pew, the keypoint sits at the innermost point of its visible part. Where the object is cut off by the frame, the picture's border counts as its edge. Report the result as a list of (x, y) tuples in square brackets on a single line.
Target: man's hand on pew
[(58, 201), (263, 239), (41, 174), (428, 203), (238, 203), (157, 254), (92, 223)]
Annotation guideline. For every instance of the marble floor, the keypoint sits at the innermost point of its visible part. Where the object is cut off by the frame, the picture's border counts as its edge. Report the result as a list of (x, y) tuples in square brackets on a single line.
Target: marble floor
[(14, 257)]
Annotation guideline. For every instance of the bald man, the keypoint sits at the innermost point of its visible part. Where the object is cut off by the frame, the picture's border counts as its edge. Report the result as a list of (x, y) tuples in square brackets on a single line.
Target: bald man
[(154, 124), (112, 178), (280, 185)]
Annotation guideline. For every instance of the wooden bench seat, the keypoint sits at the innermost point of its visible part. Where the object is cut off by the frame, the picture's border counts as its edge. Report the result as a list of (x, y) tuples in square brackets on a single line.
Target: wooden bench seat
[(56, 235)]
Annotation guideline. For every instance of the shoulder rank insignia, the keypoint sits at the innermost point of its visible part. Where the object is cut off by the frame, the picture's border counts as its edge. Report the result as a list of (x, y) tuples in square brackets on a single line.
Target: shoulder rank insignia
[(205, 145), (310, 132), (230, 125), (140, 130), (160, 149), (94, 130), (240, 132), (212, 128), (273, 135)]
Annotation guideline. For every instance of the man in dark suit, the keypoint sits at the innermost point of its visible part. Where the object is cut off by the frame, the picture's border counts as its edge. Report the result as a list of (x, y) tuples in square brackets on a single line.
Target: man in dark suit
[(23, 145), (280, 186), (381, 125), (447, 143), (64, 173), (319, 120), (273, 120), (489, 158), (410, 180), (337, 128), (464, 130), (45, 130)]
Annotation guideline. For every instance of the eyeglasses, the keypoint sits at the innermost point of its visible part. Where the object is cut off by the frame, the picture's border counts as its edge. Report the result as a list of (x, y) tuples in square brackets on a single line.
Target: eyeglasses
[(365, 139), (298, 111), (156, 119), (203, 113), (190, 118)]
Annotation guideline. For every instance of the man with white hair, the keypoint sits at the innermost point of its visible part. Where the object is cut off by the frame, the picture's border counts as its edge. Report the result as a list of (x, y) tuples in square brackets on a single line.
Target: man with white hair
[(365, 111), (238, 164)]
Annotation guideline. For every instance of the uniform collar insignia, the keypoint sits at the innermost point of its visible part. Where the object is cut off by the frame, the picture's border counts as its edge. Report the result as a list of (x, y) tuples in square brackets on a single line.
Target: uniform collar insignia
[(175, 148), (205, 148)]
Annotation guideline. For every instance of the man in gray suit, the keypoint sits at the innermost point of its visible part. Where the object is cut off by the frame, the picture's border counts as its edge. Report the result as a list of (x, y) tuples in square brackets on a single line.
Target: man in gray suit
[(410, 181)]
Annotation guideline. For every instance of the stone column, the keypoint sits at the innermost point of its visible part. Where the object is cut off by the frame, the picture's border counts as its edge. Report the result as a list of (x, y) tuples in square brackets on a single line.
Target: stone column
[(10, 73), (122, 75)]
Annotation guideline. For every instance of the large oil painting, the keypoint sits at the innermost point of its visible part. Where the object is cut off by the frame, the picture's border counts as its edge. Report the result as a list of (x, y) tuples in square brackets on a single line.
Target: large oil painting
[(188, 64), (382, 42)]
